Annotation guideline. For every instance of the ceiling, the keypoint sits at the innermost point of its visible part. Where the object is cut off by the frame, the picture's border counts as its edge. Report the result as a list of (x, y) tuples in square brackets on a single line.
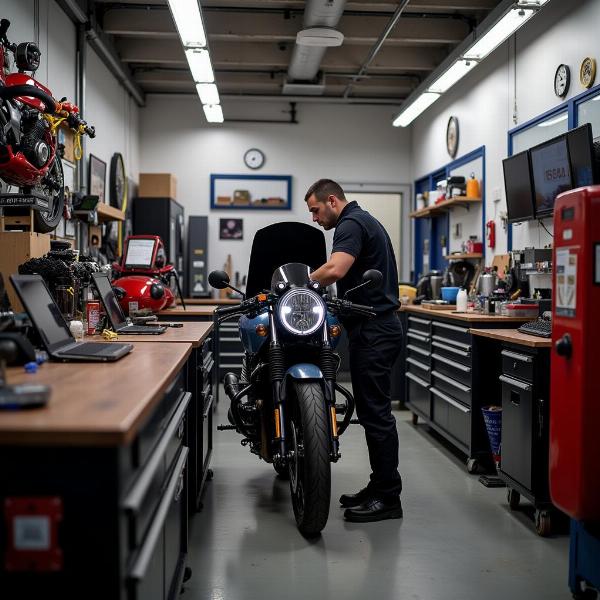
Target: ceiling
[(389, 48)]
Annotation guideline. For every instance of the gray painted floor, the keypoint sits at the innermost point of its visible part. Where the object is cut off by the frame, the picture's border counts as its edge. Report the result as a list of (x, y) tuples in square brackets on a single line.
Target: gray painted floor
[(458, 539)]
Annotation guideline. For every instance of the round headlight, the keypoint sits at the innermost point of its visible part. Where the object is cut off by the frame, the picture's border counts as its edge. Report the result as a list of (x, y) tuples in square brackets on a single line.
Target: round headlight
[(301, 311)]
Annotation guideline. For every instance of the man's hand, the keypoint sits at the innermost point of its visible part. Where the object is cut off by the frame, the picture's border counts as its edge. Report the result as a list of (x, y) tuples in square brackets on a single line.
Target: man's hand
[(334, 269)]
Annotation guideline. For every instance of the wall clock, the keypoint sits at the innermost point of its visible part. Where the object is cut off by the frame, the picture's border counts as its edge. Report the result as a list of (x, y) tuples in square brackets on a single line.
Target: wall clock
[(562, 80), (254, 158), (587, 72), (118, 182), (452, 136)]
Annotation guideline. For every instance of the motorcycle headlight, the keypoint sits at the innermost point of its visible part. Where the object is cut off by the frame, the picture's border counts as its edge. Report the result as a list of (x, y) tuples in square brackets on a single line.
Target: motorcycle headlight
[(301, 311)]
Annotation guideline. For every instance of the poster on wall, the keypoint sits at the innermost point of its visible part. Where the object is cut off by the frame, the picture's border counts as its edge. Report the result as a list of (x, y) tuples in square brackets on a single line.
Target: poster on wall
[(97, 177), (253, 192), (231, 229)]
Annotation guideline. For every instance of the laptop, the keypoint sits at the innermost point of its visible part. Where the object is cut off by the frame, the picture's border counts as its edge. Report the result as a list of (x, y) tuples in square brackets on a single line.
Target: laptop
[(120, 323), (53, 329)]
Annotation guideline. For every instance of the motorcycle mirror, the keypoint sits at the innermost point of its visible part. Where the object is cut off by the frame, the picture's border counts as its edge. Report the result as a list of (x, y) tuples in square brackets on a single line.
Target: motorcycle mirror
[(373, 277), (218, 279)]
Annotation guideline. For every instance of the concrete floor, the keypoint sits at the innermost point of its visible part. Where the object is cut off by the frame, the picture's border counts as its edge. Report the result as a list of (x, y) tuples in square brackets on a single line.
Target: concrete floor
[(458, 540)]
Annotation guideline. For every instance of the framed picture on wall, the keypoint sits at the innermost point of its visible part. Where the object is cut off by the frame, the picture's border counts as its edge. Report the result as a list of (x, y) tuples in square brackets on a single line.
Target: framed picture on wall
[(251, 192), (97, 177), (231, 229)]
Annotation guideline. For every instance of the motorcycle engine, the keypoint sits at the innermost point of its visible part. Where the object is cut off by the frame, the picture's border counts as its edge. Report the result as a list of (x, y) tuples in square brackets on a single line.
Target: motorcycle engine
[(33, 145)]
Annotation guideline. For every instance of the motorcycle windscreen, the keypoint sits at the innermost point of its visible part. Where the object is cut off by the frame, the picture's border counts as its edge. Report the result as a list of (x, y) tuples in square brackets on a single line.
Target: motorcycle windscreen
[(280, 244), (294, 274)]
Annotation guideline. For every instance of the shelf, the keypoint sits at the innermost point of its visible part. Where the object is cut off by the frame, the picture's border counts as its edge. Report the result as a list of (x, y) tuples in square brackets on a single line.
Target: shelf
[(473, 255), (443, 206), (106, 212)]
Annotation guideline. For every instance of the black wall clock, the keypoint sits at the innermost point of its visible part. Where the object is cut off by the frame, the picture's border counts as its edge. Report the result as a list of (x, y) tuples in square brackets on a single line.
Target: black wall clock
[(452, 136), (254, 158), (562, 80), (118, 182)]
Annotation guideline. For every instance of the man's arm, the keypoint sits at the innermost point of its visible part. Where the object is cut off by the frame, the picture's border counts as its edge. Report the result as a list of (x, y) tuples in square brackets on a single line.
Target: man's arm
[(334, 269)]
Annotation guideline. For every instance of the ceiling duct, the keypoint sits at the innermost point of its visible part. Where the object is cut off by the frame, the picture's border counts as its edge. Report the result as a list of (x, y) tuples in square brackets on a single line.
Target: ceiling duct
[(320, 19)]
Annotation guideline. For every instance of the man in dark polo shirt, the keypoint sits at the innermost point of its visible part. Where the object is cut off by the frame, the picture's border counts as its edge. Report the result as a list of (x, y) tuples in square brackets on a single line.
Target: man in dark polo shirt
[(360, 243)]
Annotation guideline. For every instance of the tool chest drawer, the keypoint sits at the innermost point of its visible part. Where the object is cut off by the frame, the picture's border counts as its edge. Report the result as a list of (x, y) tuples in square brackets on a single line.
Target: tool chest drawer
[(142, 497), (154, 562), (419, 325), (419, 340), (418, 368), (451, 415), (453, 333), (517, 364), (450, 386), (452, 368), (207, 430), (443, 348), (423, 356), (418, 394)]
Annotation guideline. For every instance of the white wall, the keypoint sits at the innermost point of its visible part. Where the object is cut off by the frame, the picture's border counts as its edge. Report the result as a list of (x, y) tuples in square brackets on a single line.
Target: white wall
[(517, 78), (347, 143)]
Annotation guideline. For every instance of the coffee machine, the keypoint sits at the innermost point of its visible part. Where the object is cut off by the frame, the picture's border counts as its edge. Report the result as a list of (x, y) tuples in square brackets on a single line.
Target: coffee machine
[(531, 273), (429, 286)]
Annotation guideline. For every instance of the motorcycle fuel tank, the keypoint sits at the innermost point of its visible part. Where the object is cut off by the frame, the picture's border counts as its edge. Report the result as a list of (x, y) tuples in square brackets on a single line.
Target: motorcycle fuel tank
[(251, 341)]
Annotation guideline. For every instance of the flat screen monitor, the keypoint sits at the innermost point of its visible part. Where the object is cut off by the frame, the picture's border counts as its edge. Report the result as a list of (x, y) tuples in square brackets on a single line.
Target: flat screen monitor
[(581, 153), (139, 253), (551, 174), (519, 187)]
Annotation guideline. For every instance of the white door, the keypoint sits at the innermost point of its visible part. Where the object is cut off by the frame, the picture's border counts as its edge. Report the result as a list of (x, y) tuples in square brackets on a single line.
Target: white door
[(387, 209)]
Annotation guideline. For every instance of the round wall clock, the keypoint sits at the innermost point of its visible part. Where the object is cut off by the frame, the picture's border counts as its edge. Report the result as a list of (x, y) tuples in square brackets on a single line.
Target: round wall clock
[(117, 182), (562, 80), (452, 136), (254, 158), (587, 72)]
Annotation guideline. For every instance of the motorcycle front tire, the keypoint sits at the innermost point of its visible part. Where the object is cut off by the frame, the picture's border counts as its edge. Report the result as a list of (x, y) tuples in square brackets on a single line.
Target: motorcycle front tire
[(46, 222), (310, 472)]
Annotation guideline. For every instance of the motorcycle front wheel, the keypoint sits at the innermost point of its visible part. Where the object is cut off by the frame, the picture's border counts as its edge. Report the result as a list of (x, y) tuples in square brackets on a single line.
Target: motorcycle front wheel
[(53, 187), (310, 467)]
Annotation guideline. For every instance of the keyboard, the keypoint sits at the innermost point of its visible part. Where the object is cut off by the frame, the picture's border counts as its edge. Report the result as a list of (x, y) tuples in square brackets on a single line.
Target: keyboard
[(540, 327)]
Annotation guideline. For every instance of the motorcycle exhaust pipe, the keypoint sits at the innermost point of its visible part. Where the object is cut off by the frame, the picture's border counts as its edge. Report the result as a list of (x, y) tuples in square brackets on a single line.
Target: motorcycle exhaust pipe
[(231, 383)]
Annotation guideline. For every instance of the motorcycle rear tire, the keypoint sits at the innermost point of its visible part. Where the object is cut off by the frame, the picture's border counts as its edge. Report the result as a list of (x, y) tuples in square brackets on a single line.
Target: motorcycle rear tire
[(310, 474)]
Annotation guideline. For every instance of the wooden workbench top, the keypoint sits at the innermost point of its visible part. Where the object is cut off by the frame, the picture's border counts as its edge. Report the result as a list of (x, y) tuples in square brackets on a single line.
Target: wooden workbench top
[(205, 310), (94, 404), (466, 317), (192, 332), (217, 301), (514, 336)]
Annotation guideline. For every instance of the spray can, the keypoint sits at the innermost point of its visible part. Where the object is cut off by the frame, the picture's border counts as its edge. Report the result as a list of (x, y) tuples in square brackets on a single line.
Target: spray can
[(93, 316)]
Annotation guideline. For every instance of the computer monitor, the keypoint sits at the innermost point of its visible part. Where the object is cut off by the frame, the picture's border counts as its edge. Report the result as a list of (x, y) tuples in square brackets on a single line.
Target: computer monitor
[(139, 252), (109, 300), (519, 188), (581, 153), (551, 173)]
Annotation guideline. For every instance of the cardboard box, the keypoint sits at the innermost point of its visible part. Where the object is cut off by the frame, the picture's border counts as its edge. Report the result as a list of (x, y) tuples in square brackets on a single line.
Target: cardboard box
[(16, 247), (157, 185)]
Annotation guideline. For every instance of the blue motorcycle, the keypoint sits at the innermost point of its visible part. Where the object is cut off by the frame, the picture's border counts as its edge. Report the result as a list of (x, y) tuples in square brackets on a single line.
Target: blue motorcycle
[(284, 403)]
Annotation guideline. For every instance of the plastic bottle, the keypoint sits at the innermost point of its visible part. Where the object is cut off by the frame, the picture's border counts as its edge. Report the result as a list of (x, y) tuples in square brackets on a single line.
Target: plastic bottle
[(461, 300)]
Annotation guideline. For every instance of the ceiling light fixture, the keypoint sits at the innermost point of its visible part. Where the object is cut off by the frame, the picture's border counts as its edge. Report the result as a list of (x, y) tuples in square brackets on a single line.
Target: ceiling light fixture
[(467, 57), (188, 20), (200, 66), (213, 113), (208, 93)]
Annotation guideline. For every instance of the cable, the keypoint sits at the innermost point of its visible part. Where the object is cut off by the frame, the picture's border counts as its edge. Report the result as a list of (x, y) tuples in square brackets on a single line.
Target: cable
[(542, 224)]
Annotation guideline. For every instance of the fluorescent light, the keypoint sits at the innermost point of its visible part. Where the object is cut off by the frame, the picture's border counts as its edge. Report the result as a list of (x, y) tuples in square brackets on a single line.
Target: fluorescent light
[(491, 39), (208, 93), (409, 114), (456, 72), (213, 113), (554, 121), (199, 61), (188, 20)]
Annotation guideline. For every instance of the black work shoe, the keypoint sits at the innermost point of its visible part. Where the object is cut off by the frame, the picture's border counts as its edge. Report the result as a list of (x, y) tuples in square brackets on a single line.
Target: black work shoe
[(374, 510), (351, 500)]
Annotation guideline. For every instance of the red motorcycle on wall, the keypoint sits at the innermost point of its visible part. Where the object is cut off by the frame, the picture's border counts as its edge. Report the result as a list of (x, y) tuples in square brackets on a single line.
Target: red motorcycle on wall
[(29, 119)]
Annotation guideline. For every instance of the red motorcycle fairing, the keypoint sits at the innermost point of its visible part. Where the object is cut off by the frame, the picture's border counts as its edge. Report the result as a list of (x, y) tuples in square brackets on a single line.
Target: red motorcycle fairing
[(139, 291), (17, 170), (24, 79)]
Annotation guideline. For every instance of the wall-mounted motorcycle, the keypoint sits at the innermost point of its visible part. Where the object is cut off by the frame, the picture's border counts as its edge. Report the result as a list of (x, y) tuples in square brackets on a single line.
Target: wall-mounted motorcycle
[(29, 119), (284, 404)]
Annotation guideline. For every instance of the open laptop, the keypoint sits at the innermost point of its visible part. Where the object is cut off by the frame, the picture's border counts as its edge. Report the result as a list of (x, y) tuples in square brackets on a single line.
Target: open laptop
[(120, 323), (52, 327)]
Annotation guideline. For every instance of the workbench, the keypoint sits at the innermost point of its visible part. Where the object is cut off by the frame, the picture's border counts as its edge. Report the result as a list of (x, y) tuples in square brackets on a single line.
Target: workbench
[(94, 484)]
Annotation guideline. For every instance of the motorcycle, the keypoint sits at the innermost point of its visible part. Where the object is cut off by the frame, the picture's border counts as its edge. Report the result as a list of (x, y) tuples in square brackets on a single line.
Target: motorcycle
[(284, 404), (29, 119)]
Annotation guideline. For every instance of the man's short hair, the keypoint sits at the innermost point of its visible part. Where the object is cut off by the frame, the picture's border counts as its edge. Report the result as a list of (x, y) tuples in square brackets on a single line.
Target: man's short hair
[(324, 188)]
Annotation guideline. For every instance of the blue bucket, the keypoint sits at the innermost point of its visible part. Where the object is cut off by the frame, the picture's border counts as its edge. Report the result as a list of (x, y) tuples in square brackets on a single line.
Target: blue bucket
[(492, 416)]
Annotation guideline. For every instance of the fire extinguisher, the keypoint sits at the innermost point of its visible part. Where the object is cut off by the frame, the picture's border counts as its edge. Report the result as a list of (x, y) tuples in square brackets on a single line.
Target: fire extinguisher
[(491, 233)]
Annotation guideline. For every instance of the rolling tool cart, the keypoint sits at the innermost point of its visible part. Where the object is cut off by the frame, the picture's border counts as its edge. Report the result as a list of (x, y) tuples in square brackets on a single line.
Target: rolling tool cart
[(575, 389)]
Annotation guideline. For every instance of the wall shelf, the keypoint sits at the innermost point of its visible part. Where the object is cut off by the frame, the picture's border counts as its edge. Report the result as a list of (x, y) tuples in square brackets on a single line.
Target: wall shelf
[(443, 206), (466, 256), (106, 212)]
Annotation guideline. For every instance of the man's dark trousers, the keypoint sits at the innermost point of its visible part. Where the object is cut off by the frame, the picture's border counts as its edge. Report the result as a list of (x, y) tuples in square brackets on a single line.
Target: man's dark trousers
[(374, 346)]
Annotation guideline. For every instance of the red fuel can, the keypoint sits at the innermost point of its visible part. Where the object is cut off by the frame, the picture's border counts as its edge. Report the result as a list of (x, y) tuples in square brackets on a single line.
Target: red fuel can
[(575, 372)]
